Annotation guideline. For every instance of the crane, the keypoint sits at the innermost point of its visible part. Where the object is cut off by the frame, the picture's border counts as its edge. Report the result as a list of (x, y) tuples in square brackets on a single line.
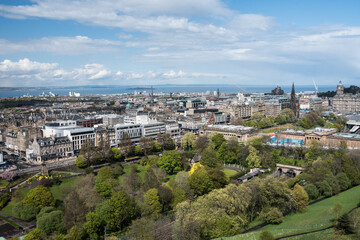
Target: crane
[(241, 89)]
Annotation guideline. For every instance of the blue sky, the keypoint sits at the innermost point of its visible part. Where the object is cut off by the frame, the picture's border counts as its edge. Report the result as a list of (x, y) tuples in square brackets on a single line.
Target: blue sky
[(127, 42)]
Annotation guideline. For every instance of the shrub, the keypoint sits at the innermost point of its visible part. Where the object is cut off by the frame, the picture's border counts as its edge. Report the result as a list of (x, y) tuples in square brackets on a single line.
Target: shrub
[(266, 235), (4, 199), (24, 211), (274, 215), (312, 191)]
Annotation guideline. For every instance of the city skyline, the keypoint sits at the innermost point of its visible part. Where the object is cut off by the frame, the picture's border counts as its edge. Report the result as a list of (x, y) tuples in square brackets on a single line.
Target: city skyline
[(50, 43)]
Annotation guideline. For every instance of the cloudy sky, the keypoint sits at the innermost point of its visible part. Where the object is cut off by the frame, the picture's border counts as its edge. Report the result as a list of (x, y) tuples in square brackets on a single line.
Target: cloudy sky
[(150, 42)]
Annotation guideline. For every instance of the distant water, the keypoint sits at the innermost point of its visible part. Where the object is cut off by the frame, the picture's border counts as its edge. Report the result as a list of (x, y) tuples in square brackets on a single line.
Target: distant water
[(90, 90)]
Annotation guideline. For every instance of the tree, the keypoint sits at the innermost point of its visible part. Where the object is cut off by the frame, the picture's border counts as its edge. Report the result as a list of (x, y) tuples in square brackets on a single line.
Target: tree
[(165, 141), (280, 119), (152, 205), (157, 147), (253, 158), (165, 197), (88, 151), (103, 150), (116, 154), (104, 189), (50, 221), (312, 191), (36, 234), (237, 121), (266, 235), (125, 144), (132, 181), (272, 216), (75, 233), (324, 188), (343, 181), (343, 223), (104, 174), (218, 139), (218, 177), (39, 197), (93, 225), (289, 115), (142, 229), (147, 144), (121, 211), (200, 182), (201, 143), (24, 211), (229, 152), (80, 162), (75, 210), (188, 141), (208, 158), (8, 175), (171, 161), (150, 180), (300, 198), (138, 151)]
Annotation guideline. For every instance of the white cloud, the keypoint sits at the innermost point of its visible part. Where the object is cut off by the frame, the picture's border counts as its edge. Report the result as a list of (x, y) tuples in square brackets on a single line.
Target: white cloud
[(25, 65), (91, 72), (60, 45)]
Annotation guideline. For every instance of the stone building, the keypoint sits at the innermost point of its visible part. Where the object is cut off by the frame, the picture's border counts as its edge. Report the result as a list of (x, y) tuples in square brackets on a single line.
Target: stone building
[(241, 133), (345, 103)]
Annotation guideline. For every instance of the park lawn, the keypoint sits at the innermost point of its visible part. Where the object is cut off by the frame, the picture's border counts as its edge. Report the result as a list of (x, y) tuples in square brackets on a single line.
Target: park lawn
[(59, 191), (281, 128), (8, 208), (3, 183), (229, 172), (326, 234), (317, 216)]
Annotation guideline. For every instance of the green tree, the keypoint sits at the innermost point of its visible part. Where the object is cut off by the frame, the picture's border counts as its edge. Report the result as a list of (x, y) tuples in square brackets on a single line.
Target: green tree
[(200, 182), (188, 141), (165, 141), (104, 174), (50, 221), (80, 162), (39, 197), (218, 139), (266, 235), (300, 198), (88, 152), (121, 211), (273, 215), (171, 161), (218, 177), (208, 158), (138, 151), (324, 188), (116, 154), (36, 234), (104, 189), (289, 115), (24, 211), (253, 158), (280, 119), (152, 206), (343, 223), (93, 225), (343, 180), (312, 191), (76, 232)]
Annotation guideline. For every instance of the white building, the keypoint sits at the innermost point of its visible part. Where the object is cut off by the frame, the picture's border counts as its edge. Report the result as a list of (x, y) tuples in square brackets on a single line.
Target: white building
[(153, 129), (133, 130)]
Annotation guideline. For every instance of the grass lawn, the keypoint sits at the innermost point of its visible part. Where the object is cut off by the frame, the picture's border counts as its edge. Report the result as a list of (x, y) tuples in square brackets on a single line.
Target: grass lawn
[(318, 215), (3, 183), (59, 191), (281, 128), (229, 172), (8, 208), (327, 234)]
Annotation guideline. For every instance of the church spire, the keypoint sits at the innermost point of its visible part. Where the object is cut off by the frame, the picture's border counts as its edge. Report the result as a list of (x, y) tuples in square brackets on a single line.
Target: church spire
[(293, 100)]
